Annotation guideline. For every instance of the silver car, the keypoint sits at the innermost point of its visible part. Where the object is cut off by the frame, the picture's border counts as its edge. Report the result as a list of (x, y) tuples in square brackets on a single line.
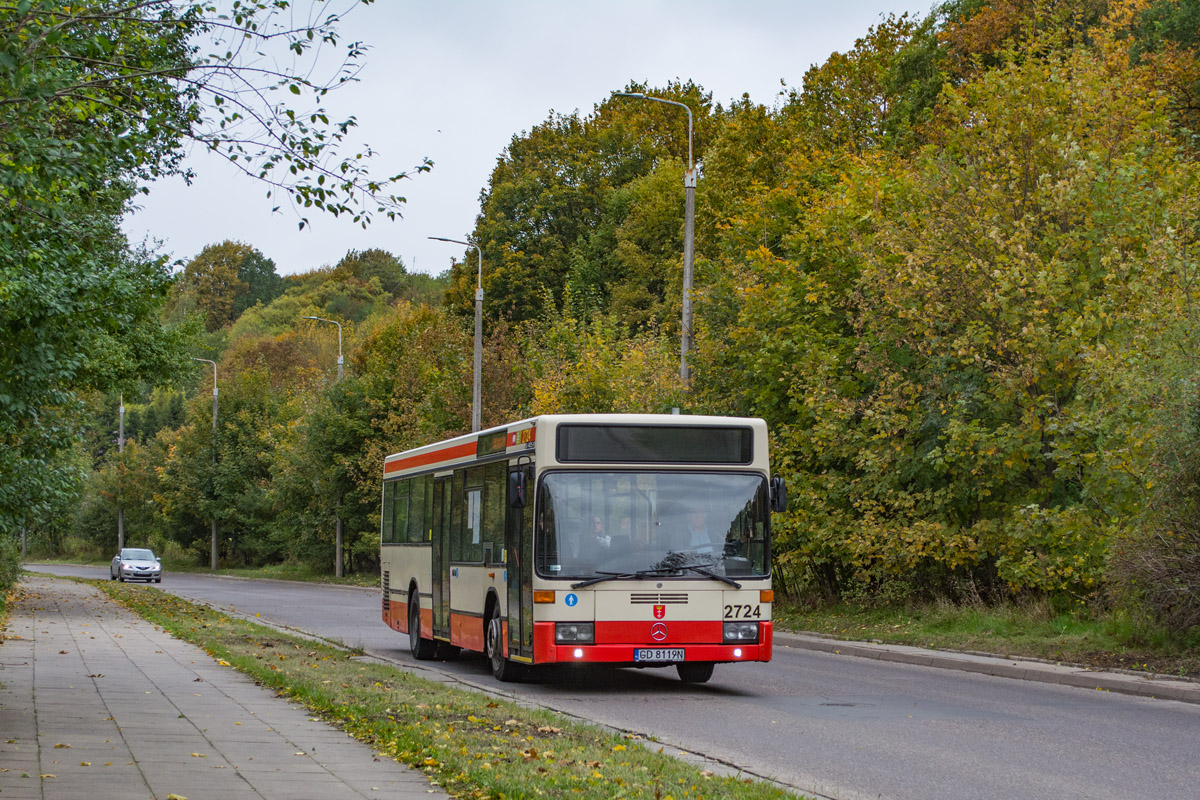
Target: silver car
[(135, 564)]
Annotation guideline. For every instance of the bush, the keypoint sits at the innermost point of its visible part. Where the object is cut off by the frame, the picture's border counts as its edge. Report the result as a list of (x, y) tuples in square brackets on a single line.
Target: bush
[(10, 562), (1156, 566)]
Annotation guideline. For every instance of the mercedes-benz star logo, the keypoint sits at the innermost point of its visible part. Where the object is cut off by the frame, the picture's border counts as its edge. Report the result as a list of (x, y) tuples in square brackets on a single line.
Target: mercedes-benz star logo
[(658, 632)]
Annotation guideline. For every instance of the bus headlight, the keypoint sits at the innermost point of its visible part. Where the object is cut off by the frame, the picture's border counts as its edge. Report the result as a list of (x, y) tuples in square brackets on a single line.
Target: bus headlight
[(741, 632), (574, 632)]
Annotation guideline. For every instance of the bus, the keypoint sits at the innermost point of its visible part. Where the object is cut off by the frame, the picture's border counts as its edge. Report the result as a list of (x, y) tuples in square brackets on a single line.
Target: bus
[(639, 540)]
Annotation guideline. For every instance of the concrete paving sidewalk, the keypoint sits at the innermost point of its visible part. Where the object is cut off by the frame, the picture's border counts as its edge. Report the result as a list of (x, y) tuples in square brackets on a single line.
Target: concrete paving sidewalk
[(97, 702)]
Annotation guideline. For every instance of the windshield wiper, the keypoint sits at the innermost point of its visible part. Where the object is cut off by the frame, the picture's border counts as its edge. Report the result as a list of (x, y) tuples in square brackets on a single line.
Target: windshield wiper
[(601, 577), (708, 573)]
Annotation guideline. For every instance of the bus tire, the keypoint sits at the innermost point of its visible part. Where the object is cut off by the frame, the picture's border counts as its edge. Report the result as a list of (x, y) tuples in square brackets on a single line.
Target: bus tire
[(421, 649), (503, 670), (695, 671)]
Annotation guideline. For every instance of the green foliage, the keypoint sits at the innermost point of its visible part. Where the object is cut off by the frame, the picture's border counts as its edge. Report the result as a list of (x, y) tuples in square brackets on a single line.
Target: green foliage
[(263, 284), (549, 215), (10, 564), (378, 264), (933, 335), (594, 367), (1156, 567), (98, 97), (223, 280), (850, 102), (1164, 23)]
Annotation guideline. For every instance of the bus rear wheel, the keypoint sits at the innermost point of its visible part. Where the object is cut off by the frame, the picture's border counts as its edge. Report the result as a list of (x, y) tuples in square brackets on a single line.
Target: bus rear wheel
[(695, 672), (502, 669), (421, 649)]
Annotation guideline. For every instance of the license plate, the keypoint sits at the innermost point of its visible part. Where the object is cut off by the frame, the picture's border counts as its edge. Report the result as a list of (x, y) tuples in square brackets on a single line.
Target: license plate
[(659, 654)]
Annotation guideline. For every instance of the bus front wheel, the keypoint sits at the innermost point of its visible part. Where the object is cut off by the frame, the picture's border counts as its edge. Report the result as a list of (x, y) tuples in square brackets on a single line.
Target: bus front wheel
[(421, 649), (695, 672), (503, 669)]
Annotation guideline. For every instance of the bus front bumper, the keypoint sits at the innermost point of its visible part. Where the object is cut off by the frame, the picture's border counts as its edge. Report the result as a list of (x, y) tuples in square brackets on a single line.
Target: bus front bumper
[(546, 651)]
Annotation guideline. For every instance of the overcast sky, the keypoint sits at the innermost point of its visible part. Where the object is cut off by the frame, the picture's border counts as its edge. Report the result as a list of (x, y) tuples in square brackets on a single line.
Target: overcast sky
[(455, 80)]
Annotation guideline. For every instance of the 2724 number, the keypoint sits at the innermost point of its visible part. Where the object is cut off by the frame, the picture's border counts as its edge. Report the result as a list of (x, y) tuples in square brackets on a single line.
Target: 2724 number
[(738, 611)]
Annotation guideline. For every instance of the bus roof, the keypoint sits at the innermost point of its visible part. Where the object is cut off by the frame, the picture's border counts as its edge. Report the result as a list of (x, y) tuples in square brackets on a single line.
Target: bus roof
[(523, 436)]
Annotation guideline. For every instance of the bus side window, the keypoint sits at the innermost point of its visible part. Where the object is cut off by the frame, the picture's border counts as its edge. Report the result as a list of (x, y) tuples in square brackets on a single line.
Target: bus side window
[(399, 531), (472, 539), (456, 521), (417, 521), (495, 487), (427, 529), (389, 499)]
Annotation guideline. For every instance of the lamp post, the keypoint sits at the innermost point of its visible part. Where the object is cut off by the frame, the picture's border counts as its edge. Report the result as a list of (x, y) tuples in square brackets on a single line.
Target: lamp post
[(120, 472), (475, 392), (339, 537), (339, 327), (689, 226), (213, 559)]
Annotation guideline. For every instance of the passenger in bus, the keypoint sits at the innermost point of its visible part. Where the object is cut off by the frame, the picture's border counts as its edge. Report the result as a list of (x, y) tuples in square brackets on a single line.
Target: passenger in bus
[(735, 544), (595, 547), (599, 537)]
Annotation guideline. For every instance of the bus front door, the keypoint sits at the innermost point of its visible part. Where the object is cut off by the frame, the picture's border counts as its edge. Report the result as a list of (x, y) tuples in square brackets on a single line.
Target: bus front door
[(518, 543)]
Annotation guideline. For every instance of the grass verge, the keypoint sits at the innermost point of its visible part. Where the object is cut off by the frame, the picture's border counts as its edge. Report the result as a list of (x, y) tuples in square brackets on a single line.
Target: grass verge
[(1031, 629), (472, 745)]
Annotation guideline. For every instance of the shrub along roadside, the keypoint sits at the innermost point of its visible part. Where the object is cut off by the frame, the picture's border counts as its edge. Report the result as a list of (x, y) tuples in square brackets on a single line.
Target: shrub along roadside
[(470, 744), (10, 571)]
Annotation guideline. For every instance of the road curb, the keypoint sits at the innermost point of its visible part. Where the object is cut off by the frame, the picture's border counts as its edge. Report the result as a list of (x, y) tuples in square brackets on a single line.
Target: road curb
[(1152, 686)]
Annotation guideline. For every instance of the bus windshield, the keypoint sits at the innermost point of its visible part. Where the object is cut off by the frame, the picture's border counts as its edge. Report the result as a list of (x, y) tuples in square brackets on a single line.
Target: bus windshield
[(592, 524)]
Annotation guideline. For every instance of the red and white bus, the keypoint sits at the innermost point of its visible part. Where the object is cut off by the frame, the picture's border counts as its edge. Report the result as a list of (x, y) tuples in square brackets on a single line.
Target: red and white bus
[(626, 539)]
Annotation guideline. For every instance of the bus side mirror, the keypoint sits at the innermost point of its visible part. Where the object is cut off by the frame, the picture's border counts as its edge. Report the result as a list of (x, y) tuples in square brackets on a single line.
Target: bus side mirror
[(516, 488), (778, 495)]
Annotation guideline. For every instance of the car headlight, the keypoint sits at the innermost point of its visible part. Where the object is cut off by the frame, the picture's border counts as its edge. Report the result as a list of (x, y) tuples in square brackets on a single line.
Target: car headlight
[(741, 632), (575, 632)]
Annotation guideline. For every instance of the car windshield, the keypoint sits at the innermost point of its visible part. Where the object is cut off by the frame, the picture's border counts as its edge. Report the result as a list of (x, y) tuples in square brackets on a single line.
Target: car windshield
[(638, 524), (137, 555)]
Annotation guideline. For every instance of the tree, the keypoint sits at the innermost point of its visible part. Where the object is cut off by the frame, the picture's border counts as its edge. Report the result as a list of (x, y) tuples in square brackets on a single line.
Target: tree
[(549, 216), (263, 283), (96, 97), (223, 280), (849, 102), (374, 263), (212, 283)]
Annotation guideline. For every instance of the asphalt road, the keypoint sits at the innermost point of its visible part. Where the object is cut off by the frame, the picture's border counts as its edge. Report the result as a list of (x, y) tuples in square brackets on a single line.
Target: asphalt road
[(842, 727)]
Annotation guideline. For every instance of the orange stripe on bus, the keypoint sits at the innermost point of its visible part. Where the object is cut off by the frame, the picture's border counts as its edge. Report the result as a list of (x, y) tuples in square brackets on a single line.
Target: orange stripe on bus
[(467, 631), (424, 459)]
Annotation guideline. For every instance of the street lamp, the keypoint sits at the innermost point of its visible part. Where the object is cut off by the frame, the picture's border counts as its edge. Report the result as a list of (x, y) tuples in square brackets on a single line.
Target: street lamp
[(689, 226), (339, 537), (475, 393), (339, 327), (214, 457), (121, 472)]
